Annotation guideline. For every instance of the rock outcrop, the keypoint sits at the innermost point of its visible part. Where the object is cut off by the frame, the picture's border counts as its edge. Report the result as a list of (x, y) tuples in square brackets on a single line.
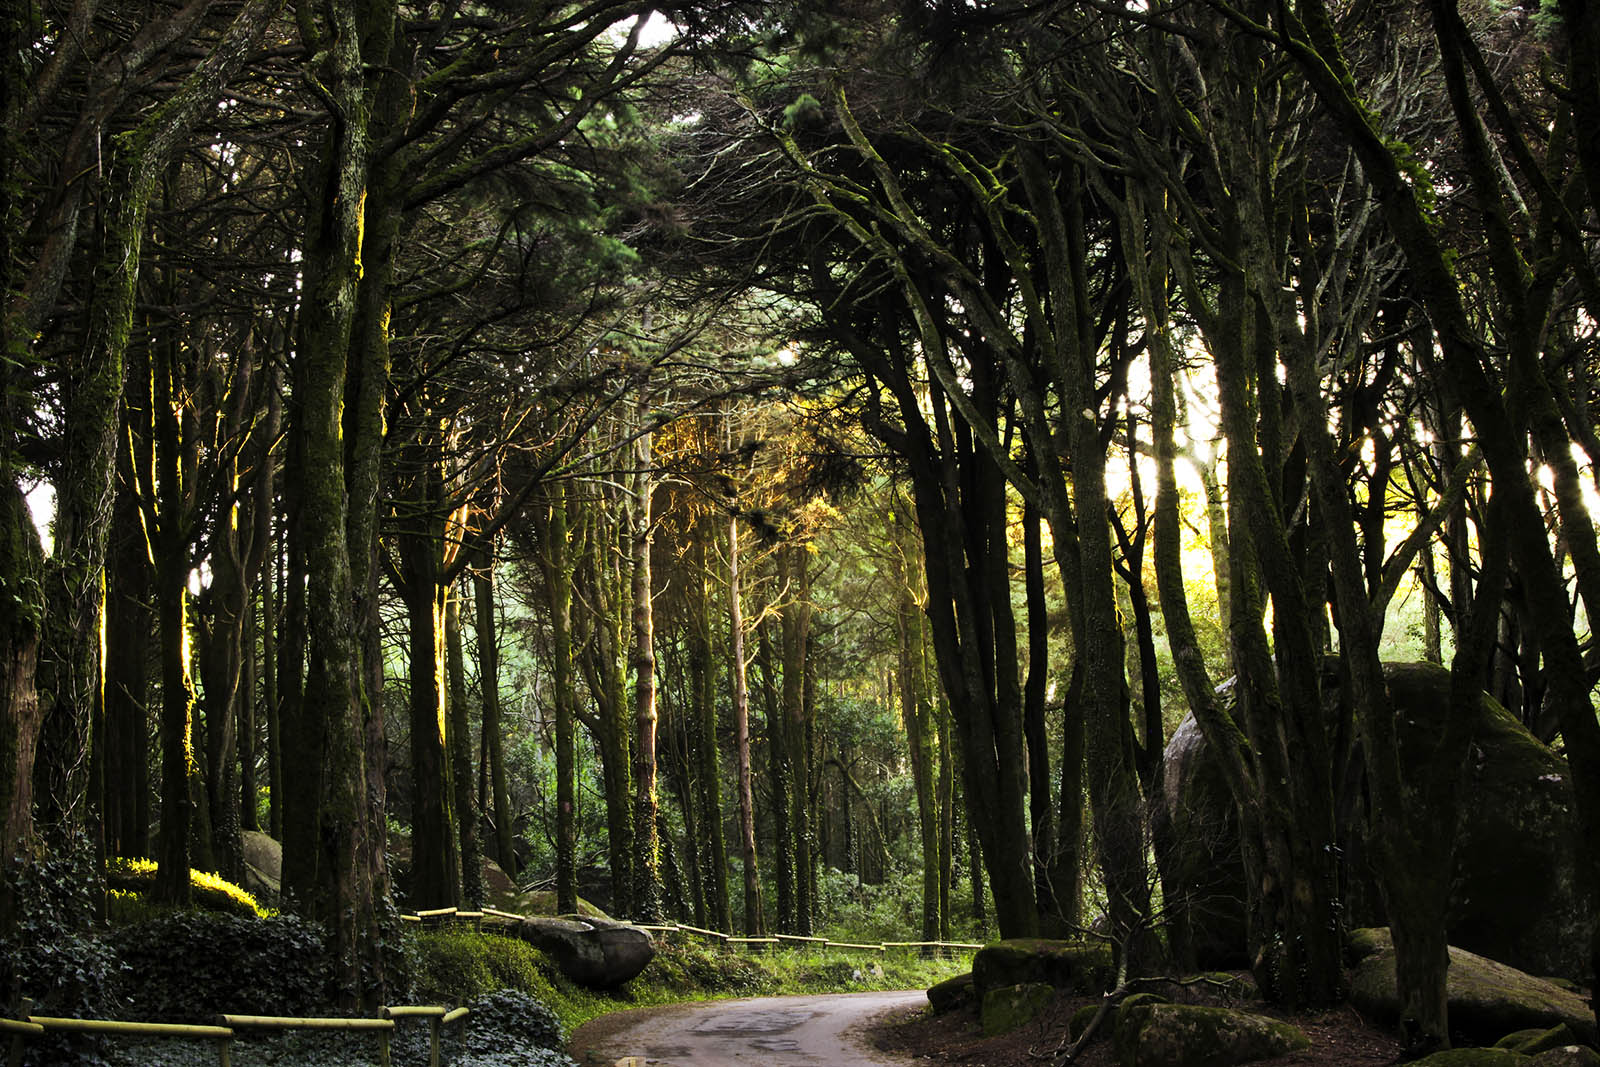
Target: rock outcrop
[(1516, 896), (1187, 1035), (1070, 965), (1488, 1000)]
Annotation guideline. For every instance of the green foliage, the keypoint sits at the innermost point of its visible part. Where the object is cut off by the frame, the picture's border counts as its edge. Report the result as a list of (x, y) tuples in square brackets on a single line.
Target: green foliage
[(138, 876), (710, 972), (53, 958), (458, 965), (192, 965), (511, 1029)]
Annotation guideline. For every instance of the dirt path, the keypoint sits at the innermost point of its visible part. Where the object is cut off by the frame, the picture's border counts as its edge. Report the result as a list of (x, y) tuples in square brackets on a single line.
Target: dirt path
[(824, 1031)]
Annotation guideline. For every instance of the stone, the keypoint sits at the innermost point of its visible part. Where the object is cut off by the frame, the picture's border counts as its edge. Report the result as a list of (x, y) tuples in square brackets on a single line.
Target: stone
[(1473, 1057), (1517, 817), (1082, 968), (1533, 1041), (594, 952), (543, 902), (1217, 988), (1566, 1056), (1188, 1035), (952, 994), (1487, 999), (263, 866), (1011, 1007)]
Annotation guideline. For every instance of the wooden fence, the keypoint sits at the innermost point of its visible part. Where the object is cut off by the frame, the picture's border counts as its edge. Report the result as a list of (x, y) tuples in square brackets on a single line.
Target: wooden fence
[(491, 917), (222, 1034)]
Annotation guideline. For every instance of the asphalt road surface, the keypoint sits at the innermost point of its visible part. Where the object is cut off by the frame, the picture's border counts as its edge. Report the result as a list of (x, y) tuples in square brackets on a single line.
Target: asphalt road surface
[(807, 1031)]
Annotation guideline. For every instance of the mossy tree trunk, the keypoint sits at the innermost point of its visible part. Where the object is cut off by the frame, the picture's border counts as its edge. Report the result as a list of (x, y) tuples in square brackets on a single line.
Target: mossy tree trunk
[(754, 922), (794, 620), (333, 828), (493, 756)]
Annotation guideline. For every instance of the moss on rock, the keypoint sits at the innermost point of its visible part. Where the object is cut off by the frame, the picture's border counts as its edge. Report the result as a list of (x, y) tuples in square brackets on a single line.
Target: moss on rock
[(1186, 1035), (1009, 1007), (1487, 999), (1473, 1057), (1085, 969)]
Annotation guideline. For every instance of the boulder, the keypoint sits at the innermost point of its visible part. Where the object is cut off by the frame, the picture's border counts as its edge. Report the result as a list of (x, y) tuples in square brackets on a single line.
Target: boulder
[(1072, 965), (1013, 1006), (263, 866), (593, 952), (1517, 894), (1487, 999), (1083, 1018), (543, 902), (1536, 1040), (1473, 1057), (1188, 1035), (1566, 1056), (952, 994)]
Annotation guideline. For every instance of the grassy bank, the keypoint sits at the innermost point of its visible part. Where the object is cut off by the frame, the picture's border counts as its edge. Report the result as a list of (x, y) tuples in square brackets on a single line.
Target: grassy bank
[(454, 965)]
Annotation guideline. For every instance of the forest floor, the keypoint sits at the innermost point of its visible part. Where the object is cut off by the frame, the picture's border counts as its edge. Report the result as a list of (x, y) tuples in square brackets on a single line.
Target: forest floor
[(1339, 1038)]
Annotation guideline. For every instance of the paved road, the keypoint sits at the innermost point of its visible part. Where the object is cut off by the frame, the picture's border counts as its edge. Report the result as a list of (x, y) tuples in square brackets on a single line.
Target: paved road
[(808, 1031)]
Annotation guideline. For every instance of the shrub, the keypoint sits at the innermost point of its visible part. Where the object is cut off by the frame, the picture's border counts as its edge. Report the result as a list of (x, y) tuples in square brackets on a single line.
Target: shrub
[(138, 876), (52, 957), (193, 965), (457, 965), (508, 1028)]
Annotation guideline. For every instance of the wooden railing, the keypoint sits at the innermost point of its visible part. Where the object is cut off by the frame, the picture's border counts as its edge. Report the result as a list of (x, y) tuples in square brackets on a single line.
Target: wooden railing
[(222, 1034), (493, 916)]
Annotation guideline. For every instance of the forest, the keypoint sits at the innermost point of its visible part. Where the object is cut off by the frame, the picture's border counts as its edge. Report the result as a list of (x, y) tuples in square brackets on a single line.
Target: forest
[(794, 465)]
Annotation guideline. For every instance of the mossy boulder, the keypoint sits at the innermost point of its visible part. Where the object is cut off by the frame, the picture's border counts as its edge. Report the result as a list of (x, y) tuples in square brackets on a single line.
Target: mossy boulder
[(1487, 999), (1085, 1015), (952, 994), (1190, 1035), (1011, 1007), (1533, 1041), (1082, 968), (1473, 1057), (1516, 817), (1566, 1056)]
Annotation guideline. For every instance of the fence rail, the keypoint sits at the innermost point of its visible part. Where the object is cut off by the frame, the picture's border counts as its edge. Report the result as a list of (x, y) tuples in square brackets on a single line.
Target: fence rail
[(223, 1033), (493, 916)]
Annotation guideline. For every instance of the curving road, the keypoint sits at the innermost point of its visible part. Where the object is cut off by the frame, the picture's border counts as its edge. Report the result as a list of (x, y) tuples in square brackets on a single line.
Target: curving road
[(803, 1031)]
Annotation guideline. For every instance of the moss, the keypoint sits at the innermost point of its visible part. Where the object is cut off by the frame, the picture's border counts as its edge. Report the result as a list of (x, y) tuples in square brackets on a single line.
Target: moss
[(1472, 1057), (1185, 1035), (1083, 968), (1011, 1007)]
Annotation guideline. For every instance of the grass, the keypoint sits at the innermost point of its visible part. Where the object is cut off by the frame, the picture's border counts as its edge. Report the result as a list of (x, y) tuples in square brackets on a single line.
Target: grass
[(458, 964)]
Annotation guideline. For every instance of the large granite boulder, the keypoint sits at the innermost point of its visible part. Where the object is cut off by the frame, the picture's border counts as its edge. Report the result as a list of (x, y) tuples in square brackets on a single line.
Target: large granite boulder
[(1188, 1035), (1488, 1000), (1516, 895), (1071, 965), (593, 952)]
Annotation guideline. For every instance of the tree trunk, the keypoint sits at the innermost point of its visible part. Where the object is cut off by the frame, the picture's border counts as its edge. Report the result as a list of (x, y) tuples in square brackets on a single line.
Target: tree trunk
[(778, 783), (795, 622), (483, 598), (642, 659), (558, 576), (460, 745), (754, 926)]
